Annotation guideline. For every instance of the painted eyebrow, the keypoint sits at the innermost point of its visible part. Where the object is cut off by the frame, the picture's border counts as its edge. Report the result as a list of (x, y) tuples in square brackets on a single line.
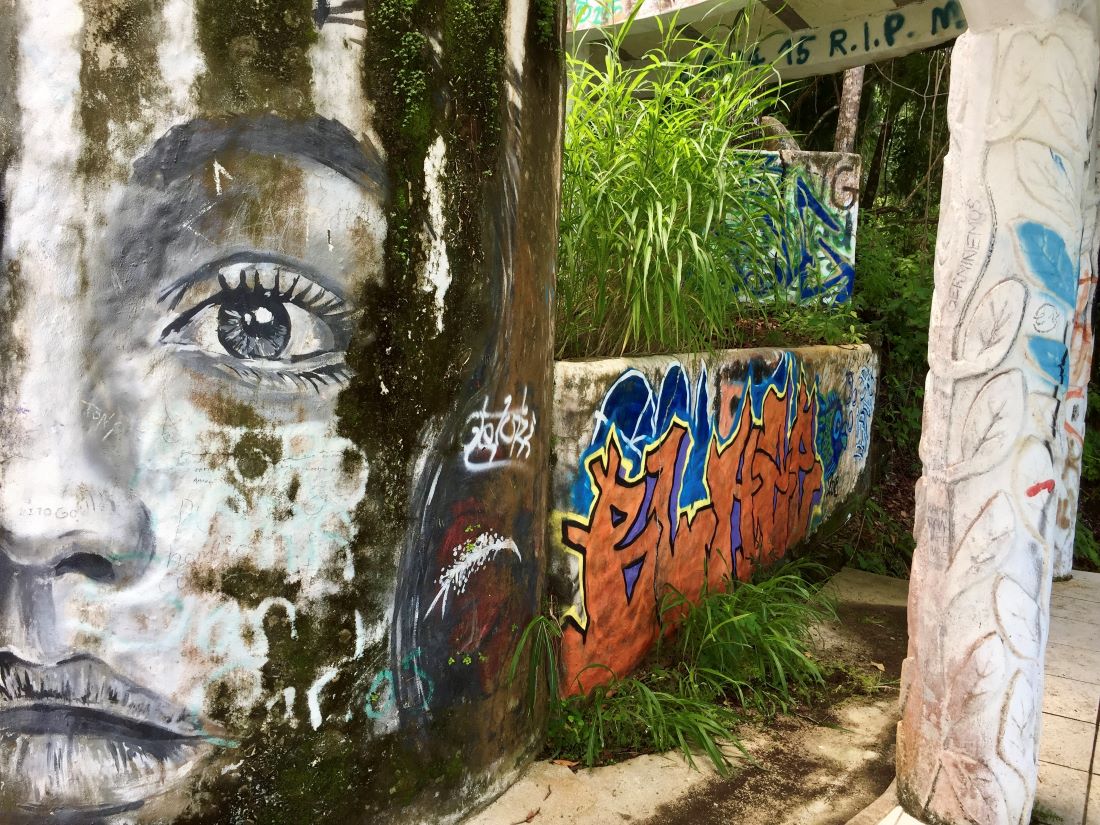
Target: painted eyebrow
[(328, 142)]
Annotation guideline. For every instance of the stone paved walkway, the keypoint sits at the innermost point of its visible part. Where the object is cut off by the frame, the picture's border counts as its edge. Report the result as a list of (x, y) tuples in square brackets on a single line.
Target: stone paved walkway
[(1069, 760), (643, 789)]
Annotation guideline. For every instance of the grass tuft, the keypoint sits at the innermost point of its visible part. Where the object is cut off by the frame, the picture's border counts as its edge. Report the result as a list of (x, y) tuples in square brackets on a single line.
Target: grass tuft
[(734, 654), (664, 221)]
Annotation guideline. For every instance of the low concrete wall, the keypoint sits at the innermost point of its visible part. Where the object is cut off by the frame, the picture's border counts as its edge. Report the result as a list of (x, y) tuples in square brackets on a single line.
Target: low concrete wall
[(682, 471)]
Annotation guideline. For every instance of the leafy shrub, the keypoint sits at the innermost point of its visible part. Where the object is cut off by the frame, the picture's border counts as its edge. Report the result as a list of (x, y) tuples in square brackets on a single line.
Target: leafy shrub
[(1086, 549), (661, 215), (876, 542), (894, 301), (1090, 460)]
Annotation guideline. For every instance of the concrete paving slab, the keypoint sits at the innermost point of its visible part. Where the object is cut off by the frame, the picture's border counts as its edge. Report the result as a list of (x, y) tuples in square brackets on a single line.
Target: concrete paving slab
[(1073, 663), (1062, 792), (813, 775), (882, 810), (1067, 742), (899, 817), (1067, 607), (1082, 586), (1071, 698), (1093, 817), (857, 587), (551, 794), (1082, 634)]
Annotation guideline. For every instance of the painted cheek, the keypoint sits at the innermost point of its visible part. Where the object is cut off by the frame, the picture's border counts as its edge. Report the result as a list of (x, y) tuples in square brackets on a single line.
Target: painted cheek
[(290, 518)]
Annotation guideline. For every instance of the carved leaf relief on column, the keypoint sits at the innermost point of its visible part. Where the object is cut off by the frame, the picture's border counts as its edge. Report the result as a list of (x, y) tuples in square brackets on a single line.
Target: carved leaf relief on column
[(1001, 353)]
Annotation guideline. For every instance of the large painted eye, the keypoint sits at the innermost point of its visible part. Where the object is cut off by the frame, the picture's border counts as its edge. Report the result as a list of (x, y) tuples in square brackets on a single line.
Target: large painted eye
[(262, 321)]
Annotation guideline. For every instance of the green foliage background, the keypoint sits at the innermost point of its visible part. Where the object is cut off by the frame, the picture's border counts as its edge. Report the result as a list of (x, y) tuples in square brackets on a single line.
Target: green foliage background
[(664, 212)]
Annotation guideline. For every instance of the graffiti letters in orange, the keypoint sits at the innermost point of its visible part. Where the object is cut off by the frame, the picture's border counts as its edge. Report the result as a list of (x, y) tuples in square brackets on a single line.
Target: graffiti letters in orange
[(763, 484)]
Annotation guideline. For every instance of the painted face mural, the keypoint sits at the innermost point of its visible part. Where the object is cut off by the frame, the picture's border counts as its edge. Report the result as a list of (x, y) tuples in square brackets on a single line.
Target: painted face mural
[(269, 505)]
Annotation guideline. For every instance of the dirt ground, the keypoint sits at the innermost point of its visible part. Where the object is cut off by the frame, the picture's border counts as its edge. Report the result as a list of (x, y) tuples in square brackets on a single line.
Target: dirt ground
[(828, 762)]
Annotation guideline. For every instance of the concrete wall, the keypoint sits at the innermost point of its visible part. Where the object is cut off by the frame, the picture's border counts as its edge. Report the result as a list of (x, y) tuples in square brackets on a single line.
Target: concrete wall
[(685, 471), (274, 404)]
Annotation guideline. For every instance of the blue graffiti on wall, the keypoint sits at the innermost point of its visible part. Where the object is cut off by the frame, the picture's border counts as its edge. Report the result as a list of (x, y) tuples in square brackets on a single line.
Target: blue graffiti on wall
[(815, 246), (863, 411), (640, 414), (832, 431), (813, 236)]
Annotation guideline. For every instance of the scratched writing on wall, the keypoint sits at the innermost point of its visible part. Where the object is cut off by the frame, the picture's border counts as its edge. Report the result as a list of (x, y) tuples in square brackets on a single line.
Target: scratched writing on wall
[(922, 24)]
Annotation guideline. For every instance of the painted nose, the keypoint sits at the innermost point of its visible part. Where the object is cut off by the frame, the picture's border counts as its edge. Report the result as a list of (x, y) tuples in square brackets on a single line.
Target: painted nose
[(28, 610), (63, 511)]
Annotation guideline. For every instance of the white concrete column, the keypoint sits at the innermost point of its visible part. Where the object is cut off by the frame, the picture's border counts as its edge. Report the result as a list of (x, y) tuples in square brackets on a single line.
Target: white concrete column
[(1071, 427), (1013, 272)]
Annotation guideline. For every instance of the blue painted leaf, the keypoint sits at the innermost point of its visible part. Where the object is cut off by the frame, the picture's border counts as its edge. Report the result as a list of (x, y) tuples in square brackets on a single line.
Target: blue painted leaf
[(1052, 358), (1048, 258)]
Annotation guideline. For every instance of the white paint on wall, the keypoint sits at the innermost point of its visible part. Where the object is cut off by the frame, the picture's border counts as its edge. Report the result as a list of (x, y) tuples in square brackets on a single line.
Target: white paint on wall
[(48, 96), (337, 62), (499, 438), (515, 33), (178, 57), (313, 696), (437, 269), (469, 557), (44, 221)]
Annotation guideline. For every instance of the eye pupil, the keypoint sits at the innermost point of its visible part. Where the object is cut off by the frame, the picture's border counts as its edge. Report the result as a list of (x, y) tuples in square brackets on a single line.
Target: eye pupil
[(253, 325)]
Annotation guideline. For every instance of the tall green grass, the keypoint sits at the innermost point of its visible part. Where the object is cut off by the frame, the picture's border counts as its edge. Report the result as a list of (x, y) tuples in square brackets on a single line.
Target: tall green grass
[(752, 640), (734, 653), (661, 213)]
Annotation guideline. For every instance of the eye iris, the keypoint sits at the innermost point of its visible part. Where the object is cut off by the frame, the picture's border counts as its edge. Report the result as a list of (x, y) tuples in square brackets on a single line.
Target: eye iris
[(253, 324)]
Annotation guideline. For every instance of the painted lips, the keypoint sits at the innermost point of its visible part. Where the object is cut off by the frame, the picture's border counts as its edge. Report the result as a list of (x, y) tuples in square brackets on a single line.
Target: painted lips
[(77, 738), (82, 696)]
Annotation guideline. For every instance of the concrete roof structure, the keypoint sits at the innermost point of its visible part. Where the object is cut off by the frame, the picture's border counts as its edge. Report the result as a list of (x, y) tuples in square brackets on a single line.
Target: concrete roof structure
[(801, 37)]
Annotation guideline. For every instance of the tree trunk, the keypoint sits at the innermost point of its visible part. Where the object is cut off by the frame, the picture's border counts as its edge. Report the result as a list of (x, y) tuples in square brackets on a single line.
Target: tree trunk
[(848, 121), (874, 173)]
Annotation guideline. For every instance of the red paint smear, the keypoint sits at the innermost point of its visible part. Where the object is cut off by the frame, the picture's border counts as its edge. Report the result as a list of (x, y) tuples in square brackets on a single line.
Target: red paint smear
[(1042, 486)]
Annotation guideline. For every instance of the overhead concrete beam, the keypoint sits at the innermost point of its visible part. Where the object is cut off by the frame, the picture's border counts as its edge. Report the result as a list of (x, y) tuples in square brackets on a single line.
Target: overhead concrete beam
[(801, 39), (856, 41)]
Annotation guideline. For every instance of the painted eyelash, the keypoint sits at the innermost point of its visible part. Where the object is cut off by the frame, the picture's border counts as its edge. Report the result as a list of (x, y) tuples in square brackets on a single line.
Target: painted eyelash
[(315, 379), (312, 296)]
